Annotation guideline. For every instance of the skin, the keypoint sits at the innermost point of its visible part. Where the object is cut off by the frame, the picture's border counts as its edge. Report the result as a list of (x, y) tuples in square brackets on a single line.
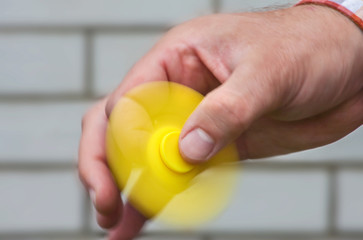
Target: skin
[(275, 82)]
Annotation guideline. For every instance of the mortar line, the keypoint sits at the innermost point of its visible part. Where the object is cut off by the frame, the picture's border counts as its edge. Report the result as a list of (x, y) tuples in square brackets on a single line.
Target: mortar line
[(206, 237), (216, 6), (37, 166), (303, 165), (170, 234), (41, 29), (333, 192), (88, 63), (45, 98)]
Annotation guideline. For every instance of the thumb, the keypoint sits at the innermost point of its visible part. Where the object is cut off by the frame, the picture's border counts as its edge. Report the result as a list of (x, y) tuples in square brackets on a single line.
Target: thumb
[(223, 115)]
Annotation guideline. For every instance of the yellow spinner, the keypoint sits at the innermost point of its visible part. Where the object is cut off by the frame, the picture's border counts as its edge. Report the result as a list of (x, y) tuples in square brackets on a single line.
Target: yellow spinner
[(143, 155)]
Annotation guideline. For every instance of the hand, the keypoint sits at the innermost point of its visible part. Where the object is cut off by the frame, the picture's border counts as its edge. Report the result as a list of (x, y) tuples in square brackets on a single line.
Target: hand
[(275, 82)]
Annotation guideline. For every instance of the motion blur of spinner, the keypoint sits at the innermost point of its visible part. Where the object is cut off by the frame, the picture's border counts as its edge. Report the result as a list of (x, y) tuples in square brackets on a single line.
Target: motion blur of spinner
[(143, 153)]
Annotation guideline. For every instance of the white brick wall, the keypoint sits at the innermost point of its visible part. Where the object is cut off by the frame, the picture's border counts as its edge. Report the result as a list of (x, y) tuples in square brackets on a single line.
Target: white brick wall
[(47, 81), (41, 63), (99, 12), (350, 208), (115, 54), (267, 200), (39, 201), (40, 132)]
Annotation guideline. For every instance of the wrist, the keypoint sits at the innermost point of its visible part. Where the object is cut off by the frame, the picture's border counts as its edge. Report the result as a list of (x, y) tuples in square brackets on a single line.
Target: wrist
[(353, 9), (338, 28)]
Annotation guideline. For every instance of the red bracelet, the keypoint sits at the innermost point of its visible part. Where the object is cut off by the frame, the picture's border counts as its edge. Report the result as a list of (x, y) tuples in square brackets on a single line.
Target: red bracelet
[(350, 8)]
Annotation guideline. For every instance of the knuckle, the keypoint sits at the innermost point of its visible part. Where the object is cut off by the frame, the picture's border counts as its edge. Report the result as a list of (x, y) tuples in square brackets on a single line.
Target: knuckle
[(83, 176), (93, 112), (86, 117), (84, 121), (81, 172)]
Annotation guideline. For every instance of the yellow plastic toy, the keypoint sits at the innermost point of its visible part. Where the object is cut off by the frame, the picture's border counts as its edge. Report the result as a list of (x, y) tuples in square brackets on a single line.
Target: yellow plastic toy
[(143, 155)]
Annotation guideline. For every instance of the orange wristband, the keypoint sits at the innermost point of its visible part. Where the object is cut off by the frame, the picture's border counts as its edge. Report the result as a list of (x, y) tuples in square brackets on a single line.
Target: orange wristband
[(350, 8)]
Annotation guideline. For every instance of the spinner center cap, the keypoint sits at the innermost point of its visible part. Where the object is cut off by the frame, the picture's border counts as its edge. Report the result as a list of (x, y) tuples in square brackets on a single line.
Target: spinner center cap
[(169, 152)]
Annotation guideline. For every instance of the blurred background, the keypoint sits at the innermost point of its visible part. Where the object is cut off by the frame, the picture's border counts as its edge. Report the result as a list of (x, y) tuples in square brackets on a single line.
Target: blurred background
[(57, 57)]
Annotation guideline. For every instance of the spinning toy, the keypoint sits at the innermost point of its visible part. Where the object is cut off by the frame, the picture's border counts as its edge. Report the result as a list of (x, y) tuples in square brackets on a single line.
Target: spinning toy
[(143, 155)]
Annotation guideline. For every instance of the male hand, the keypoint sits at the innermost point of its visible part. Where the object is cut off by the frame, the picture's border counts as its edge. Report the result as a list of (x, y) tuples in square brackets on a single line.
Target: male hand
[(275, 82)]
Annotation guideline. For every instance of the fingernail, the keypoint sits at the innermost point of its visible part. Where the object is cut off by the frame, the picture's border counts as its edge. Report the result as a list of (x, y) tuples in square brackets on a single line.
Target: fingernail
[(197, 145), (92, 195)]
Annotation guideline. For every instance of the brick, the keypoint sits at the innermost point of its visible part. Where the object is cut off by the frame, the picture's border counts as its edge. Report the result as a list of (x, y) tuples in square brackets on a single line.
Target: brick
[(274, 201), (239, 6), (346, 149), (277, 201), (40, 132), (35, 63), (115, 54), (96, 12), (350, 200), (39, 201)]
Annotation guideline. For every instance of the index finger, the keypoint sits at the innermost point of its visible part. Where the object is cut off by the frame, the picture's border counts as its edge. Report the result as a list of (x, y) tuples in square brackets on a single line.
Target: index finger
[(170, 60)]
